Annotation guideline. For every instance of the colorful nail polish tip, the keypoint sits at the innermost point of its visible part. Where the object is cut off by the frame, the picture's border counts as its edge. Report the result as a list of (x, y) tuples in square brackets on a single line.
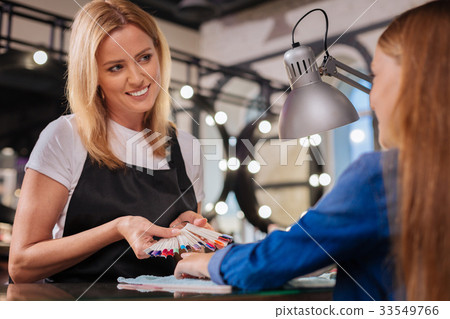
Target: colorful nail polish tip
[(191, 237)]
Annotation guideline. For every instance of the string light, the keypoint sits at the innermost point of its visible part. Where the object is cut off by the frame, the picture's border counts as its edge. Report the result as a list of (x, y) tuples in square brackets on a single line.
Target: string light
[(209, 207), (254, 167), (234, 163), (40, 57), (223, 165), (221, 208), (324, 179), (314, 180), (315, 140), (265, 211), (210, 120), (304, 141), (187, 92), (357, 136), (221, 117), (265, 127)]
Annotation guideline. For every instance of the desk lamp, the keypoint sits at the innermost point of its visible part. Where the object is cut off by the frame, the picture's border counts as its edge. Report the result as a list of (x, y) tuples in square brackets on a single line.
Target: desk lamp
[(314, 106)]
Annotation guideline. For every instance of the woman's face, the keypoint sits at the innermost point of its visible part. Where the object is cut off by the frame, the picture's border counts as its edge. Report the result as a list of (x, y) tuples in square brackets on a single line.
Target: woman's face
[(384, 93), (128, 74)]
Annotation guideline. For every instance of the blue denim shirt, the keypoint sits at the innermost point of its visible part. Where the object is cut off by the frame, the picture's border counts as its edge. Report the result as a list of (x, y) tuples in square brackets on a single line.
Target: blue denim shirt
[(349, 227)]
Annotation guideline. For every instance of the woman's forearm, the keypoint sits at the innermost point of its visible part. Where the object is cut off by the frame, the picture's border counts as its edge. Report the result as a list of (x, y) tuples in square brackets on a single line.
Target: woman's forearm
[(42, 259)]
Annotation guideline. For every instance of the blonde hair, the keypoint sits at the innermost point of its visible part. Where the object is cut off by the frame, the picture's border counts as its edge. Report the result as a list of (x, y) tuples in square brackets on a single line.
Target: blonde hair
[(92, 24), (422, 121)]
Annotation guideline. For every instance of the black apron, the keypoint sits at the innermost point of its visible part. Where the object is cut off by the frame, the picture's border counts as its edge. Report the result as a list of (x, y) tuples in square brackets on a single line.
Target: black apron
[(102, 195)]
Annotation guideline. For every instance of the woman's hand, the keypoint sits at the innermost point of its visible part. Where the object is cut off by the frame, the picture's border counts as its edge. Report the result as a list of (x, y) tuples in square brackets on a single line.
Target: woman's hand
[(193, 218), (193, 264), (139, 231)]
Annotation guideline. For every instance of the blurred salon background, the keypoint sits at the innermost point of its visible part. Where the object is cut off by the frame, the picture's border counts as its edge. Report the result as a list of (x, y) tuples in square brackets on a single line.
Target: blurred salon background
[(228, 87)]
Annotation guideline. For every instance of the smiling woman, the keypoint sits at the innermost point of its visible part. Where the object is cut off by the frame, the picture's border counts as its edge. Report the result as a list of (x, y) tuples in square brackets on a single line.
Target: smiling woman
[(109, 24), (129, 79), (86, 198)]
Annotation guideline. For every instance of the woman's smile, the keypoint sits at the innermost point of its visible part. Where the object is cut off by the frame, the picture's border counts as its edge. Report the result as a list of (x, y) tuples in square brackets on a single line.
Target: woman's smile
[(140, 92)]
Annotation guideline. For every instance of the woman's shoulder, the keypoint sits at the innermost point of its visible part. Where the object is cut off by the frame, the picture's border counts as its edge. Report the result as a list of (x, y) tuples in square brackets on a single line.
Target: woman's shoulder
[(63, 126), (368, 158), (62, 132), (58, 153), (366, 167), (359, 190), (369, 170)]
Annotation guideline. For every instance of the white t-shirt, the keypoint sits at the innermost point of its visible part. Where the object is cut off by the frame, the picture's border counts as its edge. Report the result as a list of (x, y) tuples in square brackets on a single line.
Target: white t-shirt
[(60, 154)]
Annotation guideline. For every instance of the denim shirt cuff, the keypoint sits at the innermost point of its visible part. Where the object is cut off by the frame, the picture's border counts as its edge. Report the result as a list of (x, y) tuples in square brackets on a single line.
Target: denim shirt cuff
[(215, 263)]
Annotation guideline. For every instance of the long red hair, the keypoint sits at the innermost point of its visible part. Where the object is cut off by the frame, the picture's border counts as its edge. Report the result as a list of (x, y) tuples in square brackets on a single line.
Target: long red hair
[(418, 39)]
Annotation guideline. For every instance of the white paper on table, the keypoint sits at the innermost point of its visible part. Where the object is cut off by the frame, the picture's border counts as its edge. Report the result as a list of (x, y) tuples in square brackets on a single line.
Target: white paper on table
[(147, 283)]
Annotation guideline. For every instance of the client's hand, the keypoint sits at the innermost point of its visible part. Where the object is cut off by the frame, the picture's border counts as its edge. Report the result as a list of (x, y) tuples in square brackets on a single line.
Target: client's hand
[(193, 264), (139, 232)]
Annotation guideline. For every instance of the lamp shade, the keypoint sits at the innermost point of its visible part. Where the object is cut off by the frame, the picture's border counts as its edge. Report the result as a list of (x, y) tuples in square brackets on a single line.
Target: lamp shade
[(312, 106)]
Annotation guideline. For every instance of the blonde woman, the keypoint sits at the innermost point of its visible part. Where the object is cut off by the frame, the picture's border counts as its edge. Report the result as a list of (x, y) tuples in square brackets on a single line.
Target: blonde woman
[(87, 195), (385, 223)]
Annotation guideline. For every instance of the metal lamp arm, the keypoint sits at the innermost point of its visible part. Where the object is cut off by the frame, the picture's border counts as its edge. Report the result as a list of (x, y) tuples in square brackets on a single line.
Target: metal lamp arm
[(330, 67)]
